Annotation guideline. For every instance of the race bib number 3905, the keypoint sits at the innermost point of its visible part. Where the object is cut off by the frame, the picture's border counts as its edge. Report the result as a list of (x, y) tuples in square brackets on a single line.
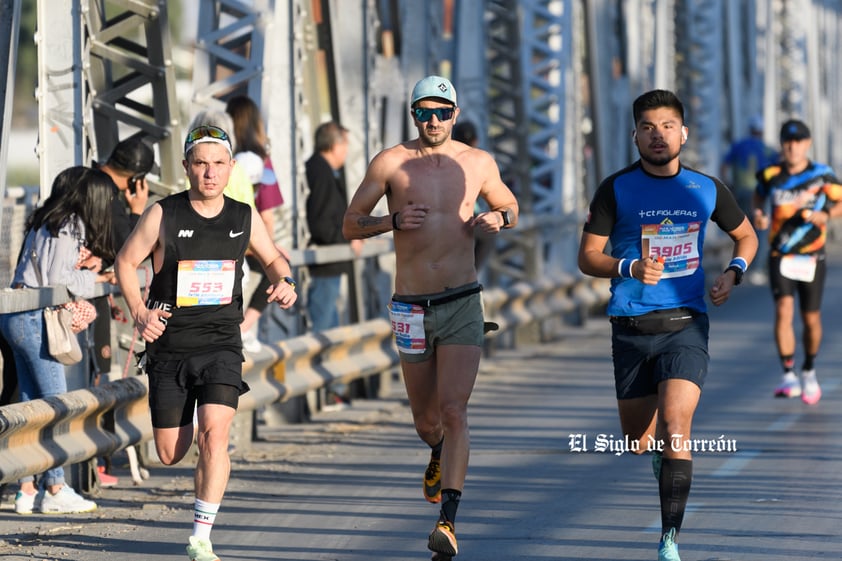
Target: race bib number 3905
[(677, 245), (205, 282)]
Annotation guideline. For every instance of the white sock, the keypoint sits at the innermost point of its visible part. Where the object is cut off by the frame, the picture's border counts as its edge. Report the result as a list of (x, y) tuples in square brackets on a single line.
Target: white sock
[(204, 515)]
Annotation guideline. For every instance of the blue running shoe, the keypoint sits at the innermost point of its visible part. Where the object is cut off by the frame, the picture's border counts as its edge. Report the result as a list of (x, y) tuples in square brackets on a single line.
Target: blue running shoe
[(657, 458), (668, 549)]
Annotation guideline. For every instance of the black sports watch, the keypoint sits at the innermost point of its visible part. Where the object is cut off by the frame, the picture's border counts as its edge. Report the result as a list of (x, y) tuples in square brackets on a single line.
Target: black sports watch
[(506, 219), (290, 281), (738, 274)]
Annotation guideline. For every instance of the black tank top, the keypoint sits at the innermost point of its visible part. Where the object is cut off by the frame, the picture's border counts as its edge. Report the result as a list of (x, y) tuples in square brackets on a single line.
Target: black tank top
[(200, 280)]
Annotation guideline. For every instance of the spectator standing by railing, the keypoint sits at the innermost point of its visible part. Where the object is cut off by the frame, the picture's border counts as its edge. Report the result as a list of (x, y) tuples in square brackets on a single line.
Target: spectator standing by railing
[(73, 223), (327, 202), (326, 206)]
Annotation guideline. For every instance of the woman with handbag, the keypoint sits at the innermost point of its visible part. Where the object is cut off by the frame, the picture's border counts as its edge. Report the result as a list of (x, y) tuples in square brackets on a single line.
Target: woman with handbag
[(66, 239)]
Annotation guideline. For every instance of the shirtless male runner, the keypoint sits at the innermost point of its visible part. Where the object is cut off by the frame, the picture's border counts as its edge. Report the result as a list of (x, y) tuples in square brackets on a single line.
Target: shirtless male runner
[(431, 185)]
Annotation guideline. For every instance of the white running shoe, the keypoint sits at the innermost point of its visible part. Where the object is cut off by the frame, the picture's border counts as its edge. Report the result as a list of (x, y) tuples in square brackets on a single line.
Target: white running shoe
[(811, 393), (25, 503), (66, 501), (200, 549), (789, 386)]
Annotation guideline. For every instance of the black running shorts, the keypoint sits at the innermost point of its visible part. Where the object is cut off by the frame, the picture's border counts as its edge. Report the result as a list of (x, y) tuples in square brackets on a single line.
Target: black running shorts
[(642, 361), (177, 386)]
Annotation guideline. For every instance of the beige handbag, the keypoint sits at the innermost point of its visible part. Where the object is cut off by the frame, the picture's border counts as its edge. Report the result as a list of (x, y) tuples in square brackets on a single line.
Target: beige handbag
[(61, 341)]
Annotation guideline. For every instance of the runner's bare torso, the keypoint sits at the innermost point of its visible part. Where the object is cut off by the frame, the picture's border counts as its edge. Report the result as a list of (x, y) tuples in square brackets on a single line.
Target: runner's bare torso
[(444, 184)]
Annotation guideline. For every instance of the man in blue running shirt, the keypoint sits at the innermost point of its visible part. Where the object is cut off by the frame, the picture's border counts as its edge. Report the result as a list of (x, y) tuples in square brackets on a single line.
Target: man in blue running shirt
[(655, 213)]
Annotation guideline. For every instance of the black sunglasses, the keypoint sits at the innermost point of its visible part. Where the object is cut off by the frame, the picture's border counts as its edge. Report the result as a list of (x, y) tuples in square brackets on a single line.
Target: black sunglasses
[(423, 114)]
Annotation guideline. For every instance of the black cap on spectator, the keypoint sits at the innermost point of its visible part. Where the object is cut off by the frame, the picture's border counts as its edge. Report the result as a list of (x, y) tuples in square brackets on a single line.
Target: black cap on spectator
[(794, 130), (134, 156), (465, 131)]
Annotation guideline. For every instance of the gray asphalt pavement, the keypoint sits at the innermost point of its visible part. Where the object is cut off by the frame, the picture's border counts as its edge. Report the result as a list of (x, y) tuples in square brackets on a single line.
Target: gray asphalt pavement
[(347, 487)]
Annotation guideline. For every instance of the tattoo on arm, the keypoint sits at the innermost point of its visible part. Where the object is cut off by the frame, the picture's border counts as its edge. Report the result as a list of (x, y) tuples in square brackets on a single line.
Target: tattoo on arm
[(366, 222)]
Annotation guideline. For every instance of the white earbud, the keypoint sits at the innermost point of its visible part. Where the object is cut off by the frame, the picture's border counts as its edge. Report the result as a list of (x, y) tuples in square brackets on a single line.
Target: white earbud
[(683, 134)]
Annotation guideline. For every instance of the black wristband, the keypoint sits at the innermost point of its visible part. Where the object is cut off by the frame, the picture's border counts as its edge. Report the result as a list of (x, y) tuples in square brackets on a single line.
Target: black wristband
[(738, 273), (395, 221)]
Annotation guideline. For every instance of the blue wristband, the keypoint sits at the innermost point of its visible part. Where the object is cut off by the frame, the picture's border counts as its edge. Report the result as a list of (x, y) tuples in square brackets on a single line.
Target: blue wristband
[(738, 262), (626, 268)]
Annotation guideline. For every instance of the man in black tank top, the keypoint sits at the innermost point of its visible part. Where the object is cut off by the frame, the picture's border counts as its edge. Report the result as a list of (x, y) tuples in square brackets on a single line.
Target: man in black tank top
[(191, 320)]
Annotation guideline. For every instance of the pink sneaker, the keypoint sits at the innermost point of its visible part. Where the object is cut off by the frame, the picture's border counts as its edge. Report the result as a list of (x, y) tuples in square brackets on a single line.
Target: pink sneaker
[(105, 479), (811, 393), (789, 386)]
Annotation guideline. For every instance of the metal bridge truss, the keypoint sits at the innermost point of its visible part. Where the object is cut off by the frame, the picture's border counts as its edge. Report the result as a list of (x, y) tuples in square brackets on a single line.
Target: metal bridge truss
[(62, 92), (9, 31), (530, 64), (131, 78), (699, 82), (106, 65), (230, 50), (103, 65)]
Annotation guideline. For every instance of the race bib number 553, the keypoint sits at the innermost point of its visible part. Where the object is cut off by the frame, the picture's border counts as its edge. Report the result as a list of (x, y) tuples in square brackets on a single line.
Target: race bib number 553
[(205, 283)]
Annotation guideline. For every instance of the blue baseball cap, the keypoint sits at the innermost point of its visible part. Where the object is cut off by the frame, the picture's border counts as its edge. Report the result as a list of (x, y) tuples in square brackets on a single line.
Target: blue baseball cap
[(433, 87)]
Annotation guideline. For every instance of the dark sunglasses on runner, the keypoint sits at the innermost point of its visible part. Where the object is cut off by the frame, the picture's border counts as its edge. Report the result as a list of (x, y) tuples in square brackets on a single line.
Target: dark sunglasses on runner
[(423, 114)]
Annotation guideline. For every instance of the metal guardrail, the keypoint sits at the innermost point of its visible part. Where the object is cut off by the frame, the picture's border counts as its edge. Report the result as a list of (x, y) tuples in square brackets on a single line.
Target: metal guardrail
[(70, 428), (87, 423)]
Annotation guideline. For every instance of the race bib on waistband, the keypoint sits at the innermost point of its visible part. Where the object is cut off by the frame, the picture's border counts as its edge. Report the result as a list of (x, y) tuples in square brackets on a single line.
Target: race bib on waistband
[(408, 327), (205, 283), (676, 244), (799, 267)]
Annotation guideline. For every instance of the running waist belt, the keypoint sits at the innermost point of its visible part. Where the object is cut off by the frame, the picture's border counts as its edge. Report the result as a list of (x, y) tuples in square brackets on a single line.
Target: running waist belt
[(437, 300), (657, 321)]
